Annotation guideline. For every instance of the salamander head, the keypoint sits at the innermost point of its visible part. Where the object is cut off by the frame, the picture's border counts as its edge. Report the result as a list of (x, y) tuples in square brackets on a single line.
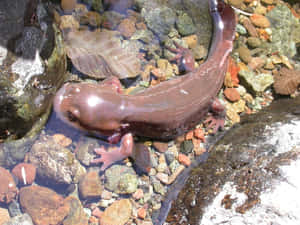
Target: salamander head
[(88, 107)]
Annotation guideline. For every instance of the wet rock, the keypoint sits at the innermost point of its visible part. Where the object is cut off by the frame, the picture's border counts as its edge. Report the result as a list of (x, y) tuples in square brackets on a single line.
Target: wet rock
[(165, 67), (76, 215), (286, 81), (260, 20), (27, 83), (183, 159), (119, 5), (284, 29), (127, 28), (184, 24), (191, 40), (43, 205), (111, 19), (68, 22), (55, 164), (256, 83), (160, 19), (91, 18), (25, 173), (199, 52), (241, 29), (23, 219), (143, 35), (85, 150), (4, 216), (232, 94), (253, 42), (117, 213), (8, 189), (90, 186), (68, 5), (251, 173), (14, 208), (96, 4), (186, 146), (121, 179), (244, 54), (160, 146)]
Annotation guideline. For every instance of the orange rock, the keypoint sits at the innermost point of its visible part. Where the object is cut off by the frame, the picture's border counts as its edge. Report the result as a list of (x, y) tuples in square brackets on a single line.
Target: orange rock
[(199, 133), (25, 172), (127, 28), (142, 213), (183, 159), (138, 194), (62, 140), (189, 135), (8, 189), (260, 21), (68, 5), (263, 34), (232, 94), (233, 69)]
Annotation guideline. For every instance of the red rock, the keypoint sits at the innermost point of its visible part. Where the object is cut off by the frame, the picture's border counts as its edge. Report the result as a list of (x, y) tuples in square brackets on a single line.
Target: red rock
[(8, 189), (160, 146), (183, 159), (127, 28), (90, 185), (44, 206), (260, 21), (199, 133), (25, 172), (142, 213), (138, 194), (232, 94)]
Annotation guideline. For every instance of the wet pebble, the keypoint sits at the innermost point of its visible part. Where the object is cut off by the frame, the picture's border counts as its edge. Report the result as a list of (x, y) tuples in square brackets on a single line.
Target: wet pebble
[(76, 215), (191, 40), (260, 21), (91, 18), (244, 54), (23, 219), (184, 159), (42, 203), (127, 28), (90, 185), (121, 179), (236, 3), (25, 172), (68, 5), (117, 213), (232, 94), (185, 24), (253, 42), (68, 22), (186, 147), (160, 146), (8, 189), (4, 216)]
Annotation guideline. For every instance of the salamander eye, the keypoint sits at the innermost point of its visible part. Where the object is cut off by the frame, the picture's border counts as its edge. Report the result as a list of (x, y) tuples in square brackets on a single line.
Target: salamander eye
[(73, 114)]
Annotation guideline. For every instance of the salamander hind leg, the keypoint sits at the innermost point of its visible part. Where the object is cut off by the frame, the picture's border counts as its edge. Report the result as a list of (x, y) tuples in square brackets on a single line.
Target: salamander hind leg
[(216, 119), (114, 154)]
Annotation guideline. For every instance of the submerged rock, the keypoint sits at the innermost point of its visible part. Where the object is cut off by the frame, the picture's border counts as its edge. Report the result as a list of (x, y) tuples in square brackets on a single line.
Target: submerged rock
[(251, 173)]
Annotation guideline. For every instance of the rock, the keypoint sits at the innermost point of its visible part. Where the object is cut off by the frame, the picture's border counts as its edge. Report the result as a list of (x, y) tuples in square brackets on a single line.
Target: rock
[(160, 146), (268, 2), (25, 173), (85, 150), (14, 208), (241, 181), (284, 27), (244, 54), (232, 94), (91, 18), (8, 189), (236, 3), (143, 35), (55, 164), (186, 146), (256, 63), (241, 29), (260, 21), (286, 81), (127, 28), (165, 67), (121, 179), (23, 219), (24, 74), (4, 216), (142, 213), (90, 186), (96, 4), (43, 205), (62, 140), (250, 28), (191, 40), (117, 213), (77, 215), (68, 22), (254, 42), (160, 19), (185, 24), (199, 52), (68, 5), (111, 19), (183, 159), (258, 83), (119, 5)]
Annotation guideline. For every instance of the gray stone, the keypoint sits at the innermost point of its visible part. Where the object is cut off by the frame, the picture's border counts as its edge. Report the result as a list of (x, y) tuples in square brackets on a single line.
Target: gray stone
[(185, 24)]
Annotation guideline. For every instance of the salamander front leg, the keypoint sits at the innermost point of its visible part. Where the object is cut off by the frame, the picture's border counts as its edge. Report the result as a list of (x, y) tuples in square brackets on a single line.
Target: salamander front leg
[(115, 154), (216, 119)]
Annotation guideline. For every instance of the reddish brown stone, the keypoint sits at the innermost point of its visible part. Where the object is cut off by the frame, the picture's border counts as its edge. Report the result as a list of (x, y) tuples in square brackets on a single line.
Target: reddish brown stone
[(260, 21), (68, 5), (25, 172), (44, 206), (90, 185), (232, 94), (127, 28), (183, 159), (8, 189), (160, 146)]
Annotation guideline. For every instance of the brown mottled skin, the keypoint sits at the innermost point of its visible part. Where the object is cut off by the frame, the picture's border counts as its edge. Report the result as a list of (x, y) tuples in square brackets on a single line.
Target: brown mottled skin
[(164, 111)]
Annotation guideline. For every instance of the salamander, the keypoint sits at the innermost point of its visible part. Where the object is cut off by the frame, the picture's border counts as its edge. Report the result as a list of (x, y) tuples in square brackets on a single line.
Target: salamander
[(164, 111)]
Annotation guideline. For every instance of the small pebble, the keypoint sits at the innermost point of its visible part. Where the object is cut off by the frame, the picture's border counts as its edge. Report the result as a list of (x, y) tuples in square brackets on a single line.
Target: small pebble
[(199, 133), (138, 194), (160, 146), (68, 5), (232, 94), (142, 213), (25, 172), (183, 159), (244, 54), (62, 140), (191, 40), (254, 42), (163, 177), (260, 21), (127, 28)]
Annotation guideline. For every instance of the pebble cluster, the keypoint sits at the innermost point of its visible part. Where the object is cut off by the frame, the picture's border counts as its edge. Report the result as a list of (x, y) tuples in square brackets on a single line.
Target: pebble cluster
[(260, 61)]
